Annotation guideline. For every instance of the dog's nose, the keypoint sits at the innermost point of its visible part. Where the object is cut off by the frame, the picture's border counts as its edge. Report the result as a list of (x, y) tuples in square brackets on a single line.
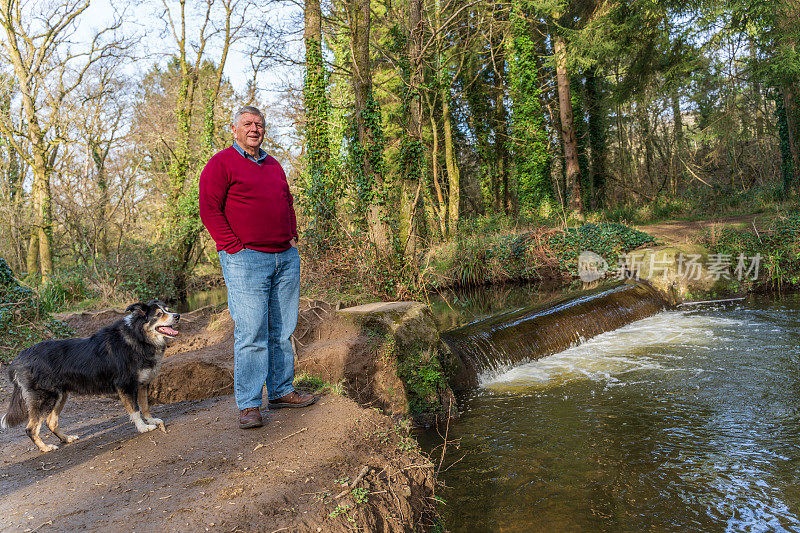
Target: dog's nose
[(177, 317)]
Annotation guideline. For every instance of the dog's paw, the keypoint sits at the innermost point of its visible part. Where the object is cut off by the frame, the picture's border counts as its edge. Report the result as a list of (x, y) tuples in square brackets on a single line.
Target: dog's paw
[(48, 448), (144, 428), (158, 422), (71, 438)]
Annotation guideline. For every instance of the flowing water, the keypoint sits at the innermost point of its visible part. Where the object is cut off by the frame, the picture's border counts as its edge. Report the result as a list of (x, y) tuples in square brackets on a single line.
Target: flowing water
[(492, 345), (683, 421)]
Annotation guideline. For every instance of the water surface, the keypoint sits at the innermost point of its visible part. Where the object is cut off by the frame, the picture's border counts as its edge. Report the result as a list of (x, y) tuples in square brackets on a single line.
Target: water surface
[(687, 420)]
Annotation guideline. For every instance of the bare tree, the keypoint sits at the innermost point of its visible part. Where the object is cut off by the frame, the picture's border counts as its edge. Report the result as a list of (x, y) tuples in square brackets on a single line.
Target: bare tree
[(38, 46), (222, 22)]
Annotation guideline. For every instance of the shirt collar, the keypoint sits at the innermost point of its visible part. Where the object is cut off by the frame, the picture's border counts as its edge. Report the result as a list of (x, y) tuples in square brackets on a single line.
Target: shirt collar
[(262, 155)]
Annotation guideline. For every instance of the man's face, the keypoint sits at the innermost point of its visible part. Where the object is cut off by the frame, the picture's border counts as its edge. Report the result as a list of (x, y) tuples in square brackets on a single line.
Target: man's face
[(249, 132)]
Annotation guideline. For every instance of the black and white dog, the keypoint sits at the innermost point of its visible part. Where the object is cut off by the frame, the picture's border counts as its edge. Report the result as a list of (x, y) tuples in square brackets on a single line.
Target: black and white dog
[(122, 358)]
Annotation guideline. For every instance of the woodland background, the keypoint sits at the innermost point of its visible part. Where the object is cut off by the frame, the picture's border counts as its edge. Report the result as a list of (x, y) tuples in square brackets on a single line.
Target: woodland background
[(408, 128)]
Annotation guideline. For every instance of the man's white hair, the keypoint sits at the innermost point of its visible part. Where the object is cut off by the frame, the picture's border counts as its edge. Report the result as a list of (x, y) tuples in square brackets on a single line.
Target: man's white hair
[(247, 109)]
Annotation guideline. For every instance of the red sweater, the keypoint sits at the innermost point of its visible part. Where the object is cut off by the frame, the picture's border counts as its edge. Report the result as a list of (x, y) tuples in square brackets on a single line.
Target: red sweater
[(246, 205)]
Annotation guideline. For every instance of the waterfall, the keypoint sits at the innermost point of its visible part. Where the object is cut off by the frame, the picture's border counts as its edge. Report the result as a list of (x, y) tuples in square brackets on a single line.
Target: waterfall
[(497, 343)]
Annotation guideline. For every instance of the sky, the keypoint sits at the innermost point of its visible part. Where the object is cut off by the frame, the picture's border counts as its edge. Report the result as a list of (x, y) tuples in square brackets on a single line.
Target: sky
[(146, 20)]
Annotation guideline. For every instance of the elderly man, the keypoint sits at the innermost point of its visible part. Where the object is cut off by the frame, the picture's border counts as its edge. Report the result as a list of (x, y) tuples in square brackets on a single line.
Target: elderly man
[(246, 206)]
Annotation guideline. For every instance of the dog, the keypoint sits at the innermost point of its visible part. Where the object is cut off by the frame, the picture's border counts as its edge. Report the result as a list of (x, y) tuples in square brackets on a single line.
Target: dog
[(122, 358)]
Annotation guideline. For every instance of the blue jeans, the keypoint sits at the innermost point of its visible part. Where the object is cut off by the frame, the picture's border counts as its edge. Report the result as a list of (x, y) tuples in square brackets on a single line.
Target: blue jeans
[(263, 298)]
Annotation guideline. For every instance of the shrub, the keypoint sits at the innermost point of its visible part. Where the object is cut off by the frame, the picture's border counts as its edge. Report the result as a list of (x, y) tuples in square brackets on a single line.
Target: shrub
[(538, 254)]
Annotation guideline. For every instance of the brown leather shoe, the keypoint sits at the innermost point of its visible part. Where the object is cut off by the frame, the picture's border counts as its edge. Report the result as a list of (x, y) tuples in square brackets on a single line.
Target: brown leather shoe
[(250, 418), (293, 399)]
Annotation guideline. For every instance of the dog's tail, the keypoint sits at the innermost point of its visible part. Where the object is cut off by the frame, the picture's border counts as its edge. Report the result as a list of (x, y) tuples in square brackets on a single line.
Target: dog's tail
[(17, 411)]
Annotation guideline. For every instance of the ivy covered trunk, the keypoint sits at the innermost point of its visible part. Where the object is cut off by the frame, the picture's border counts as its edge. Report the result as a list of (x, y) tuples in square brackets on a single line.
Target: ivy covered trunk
[(787, 162), (597, 139), (792, 110), (531, 154), (411, 144), (320, 202), (677, 166), (366, 142)]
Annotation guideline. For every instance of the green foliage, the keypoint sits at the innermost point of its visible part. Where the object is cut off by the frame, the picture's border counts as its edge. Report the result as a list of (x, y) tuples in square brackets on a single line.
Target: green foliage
[(697, 203), (315, 385), (360, 495), (24, 319), (342, 509), (63, 289), (530, 149), (787, 165), (609, 240), (471, 268), (147, 271), (419, 368)]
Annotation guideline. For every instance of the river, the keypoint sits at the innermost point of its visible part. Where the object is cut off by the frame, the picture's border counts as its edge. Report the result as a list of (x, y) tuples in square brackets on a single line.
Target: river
[(687, 420)]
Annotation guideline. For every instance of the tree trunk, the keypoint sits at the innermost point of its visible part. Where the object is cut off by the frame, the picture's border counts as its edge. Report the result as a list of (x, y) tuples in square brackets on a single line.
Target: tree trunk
[(412, 156), (568, 134), (647, 139), (44, 220), (677, 118), (790, 103), (440, 209), (368, 127), (99, 159), (453, 177), (322, 200), (32, 257), (501, 139), (597, 139)]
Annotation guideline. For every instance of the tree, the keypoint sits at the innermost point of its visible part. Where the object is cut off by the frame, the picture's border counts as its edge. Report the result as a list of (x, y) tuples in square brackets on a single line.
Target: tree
[(38, 46), (530, 145), (11, 175), (366, 142), (320, 193), (568, 134), (222, 22)]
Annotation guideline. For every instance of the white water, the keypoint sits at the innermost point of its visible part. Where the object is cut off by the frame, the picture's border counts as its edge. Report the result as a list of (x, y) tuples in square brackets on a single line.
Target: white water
[(610, 355)]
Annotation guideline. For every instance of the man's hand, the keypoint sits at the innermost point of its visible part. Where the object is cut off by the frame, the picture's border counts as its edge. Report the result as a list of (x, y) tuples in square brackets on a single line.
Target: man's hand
[(293, 243)]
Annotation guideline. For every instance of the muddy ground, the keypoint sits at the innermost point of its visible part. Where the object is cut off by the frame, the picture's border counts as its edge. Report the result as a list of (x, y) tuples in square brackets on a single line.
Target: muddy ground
[(334, 466)]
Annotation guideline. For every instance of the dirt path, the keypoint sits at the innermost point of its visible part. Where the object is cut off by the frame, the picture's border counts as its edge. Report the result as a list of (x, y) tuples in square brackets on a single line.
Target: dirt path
[(207, 475), (680, 231)]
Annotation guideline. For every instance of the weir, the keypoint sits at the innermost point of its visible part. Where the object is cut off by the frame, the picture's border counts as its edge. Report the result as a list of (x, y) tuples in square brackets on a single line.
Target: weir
[(500, 342)]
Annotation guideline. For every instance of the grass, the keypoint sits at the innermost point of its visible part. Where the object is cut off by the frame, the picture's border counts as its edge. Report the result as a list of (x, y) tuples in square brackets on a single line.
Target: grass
[(305, 382)]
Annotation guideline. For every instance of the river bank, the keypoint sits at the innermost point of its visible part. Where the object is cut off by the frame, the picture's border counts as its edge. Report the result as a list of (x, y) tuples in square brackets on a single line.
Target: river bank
[(335, 466)]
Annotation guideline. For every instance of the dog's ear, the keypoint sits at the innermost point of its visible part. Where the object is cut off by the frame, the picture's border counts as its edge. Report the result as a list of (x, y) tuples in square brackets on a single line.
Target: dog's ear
[(138, 308)]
